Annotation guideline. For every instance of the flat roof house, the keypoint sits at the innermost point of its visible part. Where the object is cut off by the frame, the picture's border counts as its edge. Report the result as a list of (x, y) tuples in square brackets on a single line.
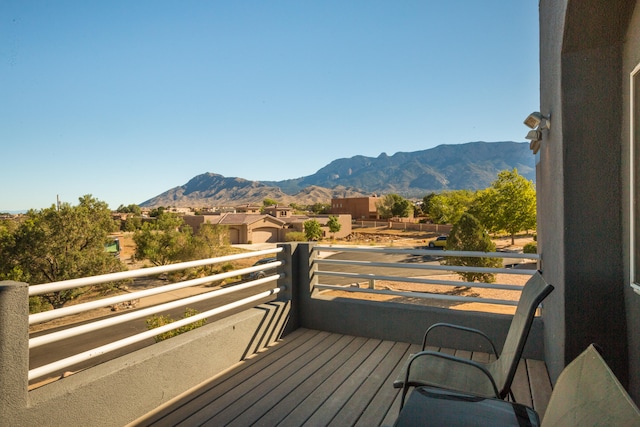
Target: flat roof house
[(358, 207)]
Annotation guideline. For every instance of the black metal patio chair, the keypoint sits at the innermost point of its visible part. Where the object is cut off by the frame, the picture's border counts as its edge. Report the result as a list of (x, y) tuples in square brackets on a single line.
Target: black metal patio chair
[(493, 379), (587, 393)]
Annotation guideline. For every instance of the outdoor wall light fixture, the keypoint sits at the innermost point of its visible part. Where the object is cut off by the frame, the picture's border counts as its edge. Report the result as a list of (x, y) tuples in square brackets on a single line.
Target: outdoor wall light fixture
[(534, 135), (537, 122)]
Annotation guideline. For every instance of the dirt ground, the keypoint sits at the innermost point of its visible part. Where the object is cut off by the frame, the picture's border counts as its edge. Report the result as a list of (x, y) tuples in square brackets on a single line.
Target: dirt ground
[(395, 238)]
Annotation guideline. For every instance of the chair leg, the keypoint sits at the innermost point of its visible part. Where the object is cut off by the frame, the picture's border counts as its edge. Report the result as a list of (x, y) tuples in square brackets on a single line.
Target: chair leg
[(404, 394)]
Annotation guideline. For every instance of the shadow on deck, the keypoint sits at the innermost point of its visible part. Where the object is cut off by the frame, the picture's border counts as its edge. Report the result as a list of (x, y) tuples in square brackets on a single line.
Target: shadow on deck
[(313, 377)]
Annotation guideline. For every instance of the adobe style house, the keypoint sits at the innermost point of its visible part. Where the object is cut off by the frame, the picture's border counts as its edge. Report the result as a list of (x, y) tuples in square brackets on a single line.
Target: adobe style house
[(358, 207), (278, 211), (243, 228), (247, 228), (296, 223), (588, 183)]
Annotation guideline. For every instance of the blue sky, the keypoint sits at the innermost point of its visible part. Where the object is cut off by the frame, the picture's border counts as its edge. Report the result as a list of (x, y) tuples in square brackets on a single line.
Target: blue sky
[(127, 99)]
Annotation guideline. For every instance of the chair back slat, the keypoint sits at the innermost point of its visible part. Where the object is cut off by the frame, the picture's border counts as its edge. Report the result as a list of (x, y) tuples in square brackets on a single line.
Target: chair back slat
[(504, 368)]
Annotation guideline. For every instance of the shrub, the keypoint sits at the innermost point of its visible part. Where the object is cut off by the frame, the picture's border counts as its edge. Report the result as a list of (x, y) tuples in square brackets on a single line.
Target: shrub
[(295, 236), (530, 248), (226, 267), (37, 305), (157, 321)]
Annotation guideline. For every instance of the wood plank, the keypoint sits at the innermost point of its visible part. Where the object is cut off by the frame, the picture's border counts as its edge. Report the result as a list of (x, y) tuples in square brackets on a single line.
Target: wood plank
[(235, 386), (327, 389), (245, 394), (520, 386), (354, 377), (190, 401), (321, 378), (480, 356), (379, 406), (296, 388), (381, 363), (463, 354), (451, 351), (540, 385)]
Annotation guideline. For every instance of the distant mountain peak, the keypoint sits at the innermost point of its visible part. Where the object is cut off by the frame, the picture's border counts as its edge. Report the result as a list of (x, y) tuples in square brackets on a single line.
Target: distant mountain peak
[(471, 166)]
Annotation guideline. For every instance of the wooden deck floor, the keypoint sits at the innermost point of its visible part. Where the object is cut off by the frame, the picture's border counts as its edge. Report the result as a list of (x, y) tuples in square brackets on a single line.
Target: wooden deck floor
[(317, 378)]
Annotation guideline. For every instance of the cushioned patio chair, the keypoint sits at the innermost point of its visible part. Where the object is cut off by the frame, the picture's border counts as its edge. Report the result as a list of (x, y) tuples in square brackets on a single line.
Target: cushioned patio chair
[(493, 379), (586, 394)]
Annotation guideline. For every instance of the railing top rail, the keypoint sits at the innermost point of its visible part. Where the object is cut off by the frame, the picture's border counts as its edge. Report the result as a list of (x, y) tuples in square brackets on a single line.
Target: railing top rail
[(436, 252), (439, 252), (105, 302), (113, 277), (452, 268)]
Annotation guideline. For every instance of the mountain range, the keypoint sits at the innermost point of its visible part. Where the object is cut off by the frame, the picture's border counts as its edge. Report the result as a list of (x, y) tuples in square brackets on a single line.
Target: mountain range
[(471, 166)]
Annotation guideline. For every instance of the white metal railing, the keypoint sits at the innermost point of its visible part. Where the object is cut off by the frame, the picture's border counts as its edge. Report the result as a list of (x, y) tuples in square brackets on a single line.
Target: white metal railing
[(125, 317), (418, 267)]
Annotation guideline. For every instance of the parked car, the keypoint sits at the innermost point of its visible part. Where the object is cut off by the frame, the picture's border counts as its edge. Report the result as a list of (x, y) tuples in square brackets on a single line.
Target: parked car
[(440, 242), (262, 273)]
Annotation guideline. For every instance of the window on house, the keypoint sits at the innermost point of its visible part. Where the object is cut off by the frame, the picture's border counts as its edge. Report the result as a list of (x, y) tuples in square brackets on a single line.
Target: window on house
[(634, 178)]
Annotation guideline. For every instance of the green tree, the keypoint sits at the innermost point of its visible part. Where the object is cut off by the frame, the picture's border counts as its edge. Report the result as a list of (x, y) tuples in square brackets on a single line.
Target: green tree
[(133, 209), (334, 224), (312, 229), (164, 241), (58, 244), (320, 208), (448, 207), (468, 235), (394, 205), (211, 241), (426, 203), (269, 202), (508, 205), (133, 223), (156, 212)]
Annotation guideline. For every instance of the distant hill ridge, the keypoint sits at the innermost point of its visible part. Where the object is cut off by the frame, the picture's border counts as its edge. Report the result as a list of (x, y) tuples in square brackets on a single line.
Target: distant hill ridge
[(471, 166)]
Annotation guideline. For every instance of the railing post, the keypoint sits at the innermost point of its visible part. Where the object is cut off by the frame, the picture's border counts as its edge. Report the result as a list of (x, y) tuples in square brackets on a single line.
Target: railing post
[(287, 270), (14, 349)]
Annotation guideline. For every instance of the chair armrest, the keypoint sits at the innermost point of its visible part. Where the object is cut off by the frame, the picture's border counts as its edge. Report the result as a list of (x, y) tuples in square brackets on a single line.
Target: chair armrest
[(460, 328)]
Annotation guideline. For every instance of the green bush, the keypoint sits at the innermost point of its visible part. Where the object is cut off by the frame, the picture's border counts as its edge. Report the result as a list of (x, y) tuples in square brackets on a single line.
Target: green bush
[(227, 267), (157, 321), (295, 236), (37, 305), (530, 248)]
